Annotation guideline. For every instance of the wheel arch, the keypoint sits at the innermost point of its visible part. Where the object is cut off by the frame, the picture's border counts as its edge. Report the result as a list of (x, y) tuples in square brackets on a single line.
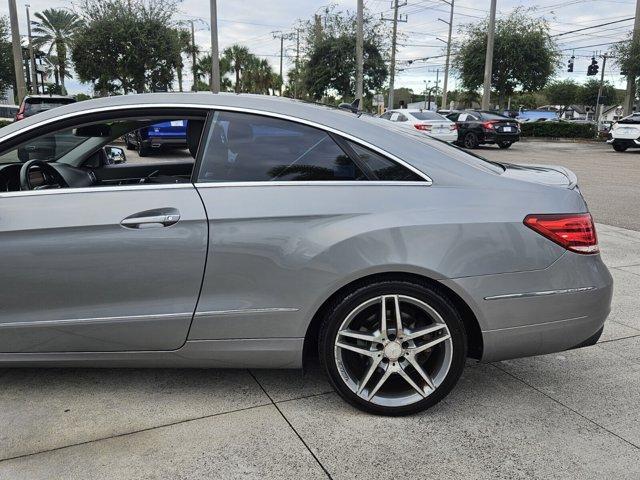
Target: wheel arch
[(471, 324)]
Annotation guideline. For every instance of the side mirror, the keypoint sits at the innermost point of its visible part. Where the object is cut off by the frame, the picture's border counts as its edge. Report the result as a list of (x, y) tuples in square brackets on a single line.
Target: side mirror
[(114, 155)]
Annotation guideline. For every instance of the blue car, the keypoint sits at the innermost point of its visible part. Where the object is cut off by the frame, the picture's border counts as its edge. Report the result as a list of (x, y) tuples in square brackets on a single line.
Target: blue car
[(171, 134)]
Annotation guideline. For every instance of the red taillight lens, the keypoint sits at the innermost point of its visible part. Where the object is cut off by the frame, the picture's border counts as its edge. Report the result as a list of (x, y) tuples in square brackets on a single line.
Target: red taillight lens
[(575, 232), (453, 126), (423, 127), (488, 125)]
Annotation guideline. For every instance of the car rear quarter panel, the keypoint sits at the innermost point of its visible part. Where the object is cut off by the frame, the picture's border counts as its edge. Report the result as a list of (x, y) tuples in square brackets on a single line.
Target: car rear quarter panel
[(276, 253)]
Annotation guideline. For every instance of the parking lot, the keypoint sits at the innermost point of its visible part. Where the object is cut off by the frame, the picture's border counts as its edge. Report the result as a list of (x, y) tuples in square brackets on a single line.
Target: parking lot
[(572, 414)]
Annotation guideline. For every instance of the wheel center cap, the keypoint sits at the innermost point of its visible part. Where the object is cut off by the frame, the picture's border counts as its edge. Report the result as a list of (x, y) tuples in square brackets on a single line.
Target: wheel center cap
[(393, 351)]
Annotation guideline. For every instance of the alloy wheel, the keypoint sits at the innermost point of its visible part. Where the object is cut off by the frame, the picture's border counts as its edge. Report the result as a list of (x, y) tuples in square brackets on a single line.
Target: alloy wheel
[(393, 350)]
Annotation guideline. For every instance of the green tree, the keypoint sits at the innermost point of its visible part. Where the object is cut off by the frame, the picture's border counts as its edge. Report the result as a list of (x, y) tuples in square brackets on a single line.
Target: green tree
[(524, 57), (203, 69), (588, 93), (6, 57), (330, 63), (259, 77), (55, 30), (238, 58), (127, 45), (563, 93)]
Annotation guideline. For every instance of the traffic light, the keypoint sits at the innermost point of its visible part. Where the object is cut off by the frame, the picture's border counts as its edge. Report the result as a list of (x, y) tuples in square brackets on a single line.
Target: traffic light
[(593, 68), (570, 65)]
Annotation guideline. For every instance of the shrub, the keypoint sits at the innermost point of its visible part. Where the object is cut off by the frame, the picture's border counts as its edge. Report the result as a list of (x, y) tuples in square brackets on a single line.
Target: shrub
[(558, 129), (4, 123)]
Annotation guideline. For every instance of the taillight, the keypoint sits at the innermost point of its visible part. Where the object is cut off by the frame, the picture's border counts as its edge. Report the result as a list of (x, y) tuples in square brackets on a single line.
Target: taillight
[(453, 126), (575, 232), (488, 125), (423, 127)]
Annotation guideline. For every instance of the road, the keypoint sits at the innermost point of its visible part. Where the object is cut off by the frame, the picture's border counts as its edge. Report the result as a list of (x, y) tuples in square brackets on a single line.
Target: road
[(609, 181)]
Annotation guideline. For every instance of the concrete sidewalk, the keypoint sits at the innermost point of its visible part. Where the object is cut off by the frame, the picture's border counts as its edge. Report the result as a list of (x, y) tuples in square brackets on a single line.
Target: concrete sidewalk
[(568, 415)]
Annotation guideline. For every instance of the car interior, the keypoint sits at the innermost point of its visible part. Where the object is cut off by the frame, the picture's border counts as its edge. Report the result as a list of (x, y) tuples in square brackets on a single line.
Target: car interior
[(93, 155)]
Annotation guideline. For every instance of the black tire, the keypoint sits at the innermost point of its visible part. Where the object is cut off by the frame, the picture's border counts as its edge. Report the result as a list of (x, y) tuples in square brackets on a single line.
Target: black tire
[(471, 140), (619, 148), (430, 295), (504, 145), (143, 150)]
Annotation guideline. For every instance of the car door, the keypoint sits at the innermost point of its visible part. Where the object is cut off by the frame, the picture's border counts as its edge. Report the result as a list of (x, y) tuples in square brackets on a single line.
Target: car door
[(278, 194), (98, 269)]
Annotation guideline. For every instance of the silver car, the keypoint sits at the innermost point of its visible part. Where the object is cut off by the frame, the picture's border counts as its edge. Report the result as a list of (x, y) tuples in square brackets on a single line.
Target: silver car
[(285, 231)]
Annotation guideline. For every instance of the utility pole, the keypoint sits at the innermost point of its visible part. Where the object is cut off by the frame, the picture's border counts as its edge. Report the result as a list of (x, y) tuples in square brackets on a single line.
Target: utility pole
[(360, 53), (17, 51), (394, 35), (297, 79), (488, 59), (282, 36), (194, 60), (598, 105), (445, 85), (630, 96), (215, 55), (34, 73)]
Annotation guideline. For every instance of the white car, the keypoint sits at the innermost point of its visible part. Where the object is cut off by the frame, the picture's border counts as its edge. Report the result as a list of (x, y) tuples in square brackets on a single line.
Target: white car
[(426, 121), (625, 133)]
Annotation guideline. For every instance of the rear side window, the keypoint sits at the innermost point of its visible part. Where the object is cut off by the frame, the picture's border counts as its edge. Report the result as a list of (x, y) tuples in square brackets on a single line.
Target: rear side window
[(382, 167), (243, 147)]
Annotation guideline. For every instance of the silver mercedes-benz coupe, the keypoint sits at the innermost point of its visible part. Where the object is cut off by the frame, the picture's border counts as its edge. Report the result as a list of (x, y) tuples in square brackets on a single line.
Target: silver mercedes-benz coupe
[(285, 230)]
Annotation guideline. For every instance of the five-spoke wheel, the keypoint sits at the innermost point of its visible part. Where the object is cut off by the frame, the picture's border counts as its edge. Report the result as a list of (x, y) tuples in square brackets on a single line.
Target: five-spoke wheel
[(393, 347)]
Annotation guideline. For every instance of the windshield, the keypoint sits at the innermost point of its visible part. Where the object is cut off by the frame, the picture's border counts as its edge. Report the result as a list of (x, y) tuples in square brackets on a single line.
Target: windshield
[(635, 118), (427, 116), (36, 105), (48, 148), (493, 116)]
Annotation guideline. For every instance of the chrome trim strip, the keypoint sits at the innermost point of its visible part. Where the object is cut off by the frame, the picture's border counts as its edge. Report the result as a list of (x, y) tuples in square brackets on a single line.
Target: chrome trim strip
[(321, 183), (539, 294), (428, 180), (118, 188), (246, 311), (68, 321)]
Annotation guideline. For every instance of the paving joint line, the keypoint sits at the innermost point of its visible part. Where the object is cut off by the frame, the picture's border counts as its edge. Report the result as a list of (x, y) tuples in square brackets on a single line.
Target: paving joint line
[(621, 338), (292, 427), (567, 407), (125, 434)]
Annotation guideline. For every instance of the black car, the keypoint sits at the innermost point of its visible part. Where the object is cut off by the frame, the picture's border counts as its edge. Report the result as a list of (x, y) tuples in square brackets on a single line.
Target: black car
[(479, 128)]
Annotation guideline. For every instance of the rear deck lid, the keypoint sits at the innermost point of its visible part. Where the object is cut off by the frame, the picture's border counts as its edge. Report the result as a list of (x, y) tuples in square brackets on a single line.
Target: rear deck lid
[(553, 175)]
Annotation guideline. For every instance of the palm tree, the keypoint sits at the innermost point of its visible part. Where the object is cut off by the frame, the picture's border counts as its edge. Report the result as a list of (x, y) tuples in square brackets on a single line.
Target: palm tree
[(55, 29), (238, 58), (204, 69)]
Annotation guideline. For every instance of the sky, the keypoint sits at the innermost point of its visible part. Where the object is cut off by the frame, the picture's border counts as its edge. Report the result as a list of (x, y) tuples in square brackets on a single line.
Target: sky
[(252, 23)]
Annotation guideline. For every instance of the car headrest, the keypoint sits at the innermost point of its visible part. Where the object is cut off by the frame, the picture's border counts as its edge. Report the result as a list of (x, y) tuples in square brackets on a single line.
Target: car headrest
[(239, 132), (194, 132)]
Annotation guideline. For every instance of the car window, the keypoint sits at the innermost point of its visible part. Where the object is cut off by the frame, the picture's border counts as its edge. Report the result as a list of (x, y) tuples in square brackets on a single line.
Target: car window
[(402, 118), (492, 116), (386, 115), (454, 117), (382, 167), (394, 116), (463, 117), (244, 147), (48, 147), (426, 115), (35, 105)]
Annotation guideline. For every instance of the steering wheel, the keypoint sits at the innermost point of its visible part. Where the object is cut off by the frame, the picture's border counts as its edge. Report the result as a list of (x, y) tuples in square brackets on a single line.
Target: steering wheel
[(51, 177)]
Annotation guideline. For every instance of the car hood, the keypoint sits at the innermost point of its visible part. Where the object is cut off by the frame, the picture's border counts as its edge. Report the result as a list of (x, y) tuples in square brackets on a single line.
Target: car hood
[(553, 175)]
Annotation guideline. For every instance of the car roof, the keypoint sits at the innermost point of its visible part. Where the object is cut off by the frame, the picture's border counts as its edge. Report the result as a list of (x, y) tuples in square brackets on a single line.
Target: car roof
[(65, 97), (369, 129)]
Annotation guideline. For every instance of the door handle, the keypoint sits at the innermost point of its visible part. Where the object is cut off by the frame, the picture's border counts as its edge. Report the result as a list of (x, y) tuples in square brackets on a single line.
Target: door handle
[(153, 218)]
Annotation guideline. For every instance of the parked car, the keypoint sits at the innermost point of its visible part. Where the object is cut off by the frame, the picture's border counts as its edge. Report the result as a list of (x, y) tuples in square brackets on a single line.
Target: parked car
[(425, 121), (172, 134), (32, 104), (625, 133), (299, 229), (477, 127), (8, 112)]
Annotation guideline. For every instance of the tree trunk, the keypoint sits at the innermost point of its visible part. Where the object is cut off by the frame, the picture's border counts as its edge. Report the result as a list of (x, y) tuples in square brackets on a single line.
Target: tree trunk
[(179, 71), (61, 50), (237, 79)]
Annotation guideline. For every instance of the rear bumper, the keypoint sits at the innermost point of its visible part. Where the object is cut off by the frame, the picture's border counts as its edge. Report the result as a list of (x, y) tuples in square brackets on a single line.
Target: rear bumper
[(165, 142), (445, 137), (541, 311), (625, 142), (494, 137)]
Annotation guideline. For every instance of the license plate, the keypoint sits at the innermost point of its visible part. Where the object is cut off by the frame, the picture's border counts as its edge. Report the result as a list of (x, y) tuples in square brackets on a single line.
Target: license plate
[(507, 129)]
